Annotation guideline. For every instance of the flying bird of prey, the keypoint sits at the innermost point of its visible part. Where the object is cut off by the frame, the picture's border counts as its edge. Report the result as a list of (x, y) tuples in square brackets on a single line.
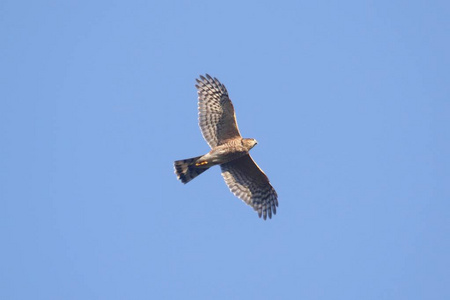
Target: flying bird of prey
[(218, 124)]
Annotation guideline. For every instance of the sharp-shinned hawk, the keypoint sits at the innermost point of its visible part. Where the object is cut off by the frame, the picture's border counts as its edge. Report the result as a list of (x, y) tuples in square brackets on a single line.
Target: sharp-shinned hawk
[(218, 124)]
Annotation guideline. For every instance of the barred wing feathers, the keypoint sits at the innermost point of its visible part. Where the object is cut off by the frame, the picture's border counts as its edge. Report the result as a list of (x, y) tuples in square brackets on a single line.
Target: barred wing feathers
[(249, 183), (217, 119)]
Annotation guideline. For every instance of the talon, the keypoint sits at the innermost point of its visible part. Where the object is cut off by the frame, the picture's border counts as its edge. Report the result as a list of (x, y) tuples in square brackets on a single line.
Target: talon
[(201, 164)]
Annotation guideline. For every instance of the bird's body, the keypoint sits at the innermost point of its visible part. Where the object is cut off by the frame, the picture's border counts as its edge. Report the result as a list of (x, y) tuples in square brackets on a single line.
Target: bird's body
[(228, 149), (227, 152)]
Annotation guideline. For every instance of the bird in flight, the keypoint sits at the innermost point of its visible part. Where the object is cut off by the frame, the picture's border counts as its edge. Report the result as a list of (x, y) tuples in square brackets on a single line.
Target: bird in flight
[(218, 124)]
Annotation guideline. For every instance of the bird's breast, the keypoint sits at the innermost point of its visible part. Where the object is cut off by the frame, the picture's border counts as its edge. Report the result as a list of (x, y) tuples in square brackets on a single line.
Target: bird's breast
[(226, 153)]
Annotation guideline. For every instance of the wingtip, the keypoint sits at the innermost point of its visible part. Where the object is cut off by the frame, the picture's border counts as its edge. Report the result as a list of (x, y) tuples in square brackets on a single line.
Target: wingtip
[(267, 213), (205, 77)]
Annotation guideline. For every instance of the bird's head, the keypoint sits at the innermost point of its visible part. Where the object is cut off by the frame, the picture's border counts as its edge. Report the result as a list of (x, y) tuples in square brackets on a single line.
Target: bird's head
[(249, 143)]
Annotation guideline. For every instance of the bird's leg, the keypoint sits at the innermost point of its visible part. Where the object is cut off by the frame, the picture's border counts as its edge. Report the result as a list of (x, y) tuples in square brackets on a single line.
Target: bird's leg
[(201, 163)]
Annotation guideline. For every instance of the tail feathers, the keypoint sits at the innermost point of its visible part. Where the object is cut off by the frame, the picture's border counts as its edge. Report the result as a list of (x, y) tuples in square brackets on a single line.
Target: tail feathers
[(186, 169)]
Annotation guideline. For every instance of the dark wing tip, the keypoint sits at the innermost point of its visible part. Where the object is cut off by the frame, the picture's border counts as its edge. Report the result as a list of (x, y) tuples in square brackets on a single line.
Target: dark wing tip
[(206, 78)]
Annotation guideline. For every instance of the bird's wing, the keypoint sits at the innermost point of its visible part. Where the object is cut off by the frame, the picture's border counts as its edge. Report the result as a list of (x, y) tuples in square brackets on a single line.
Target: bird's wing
[(217, 119), (249, 183)]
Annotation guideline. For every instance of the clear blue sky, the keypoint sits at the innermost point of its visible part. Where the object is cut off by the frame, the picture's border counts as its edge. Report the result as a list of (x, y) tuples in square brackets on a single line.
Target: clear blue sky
[(350, 104)]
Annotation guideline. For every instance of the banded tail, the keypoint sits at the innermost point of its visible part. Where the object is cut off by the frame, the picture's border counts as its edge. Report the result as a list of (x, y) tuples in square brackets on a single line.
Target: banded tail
[(186, 169)]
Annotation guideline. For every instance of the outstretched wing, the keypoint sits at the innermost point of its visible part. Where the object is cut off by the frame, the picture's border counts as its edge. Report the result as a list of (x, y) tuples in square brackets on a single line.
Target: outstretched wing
[(248, 182), (216, 112)]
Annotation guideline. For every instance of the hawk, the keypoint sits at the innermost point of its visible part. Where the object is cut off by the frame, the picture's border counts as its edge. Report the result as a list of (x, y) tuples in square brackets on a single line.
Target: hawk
[(218, 124)]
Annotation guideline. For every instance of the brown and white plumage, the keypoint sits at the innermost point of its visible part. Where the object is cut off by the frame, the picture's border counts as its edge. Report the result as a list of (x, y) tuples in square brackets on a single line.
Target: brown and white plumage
[(216, 115), (218, 124), (249, 183)]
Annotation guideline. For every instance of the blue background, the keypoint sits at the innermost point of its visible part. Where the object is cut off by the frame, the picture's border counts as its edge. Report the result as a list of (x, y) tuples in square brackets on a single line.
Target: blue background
[(349, 101)]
